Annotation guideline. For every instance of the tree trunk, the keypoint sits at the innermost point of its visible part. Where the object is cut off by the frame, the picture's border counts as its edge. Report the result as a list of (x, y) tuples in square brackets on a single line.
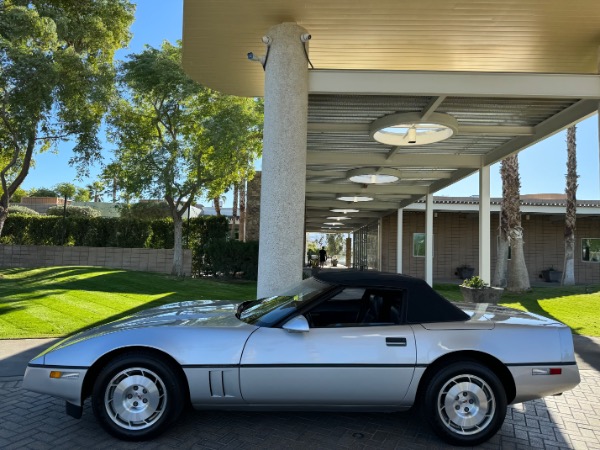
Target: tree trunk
[(114, 190), (500, 273), (518, 277), (234, 209), (242, 231), (217, 204), (3, 217), (568, 277), (177, 269)]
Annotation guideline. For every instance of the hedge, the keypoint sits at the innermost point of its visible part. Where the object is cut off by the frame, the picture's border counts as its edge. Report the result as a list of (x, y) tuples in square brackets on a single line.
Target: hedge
[(109, 231), (230, 259)]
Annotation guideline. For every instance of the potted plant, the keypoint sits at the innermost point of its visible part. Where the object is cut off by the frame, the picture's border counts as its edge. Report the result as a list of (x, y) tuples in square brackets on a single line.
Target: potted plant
[(475, 290), (550, 275), (465, 271), (334, 261)]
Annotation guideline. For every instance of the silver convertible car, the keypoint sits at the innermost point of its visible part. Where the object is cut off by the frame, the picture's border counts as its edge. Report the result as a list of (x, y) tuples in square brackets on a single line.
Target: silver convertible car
[(342, 340)]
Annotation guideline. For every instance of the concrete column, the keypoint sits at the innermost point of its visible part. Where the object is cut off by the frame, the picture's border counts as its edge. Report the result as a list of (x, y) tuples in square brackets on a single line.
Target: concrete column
[(485, 268), (429, 239), (283, 161), (400, 235)]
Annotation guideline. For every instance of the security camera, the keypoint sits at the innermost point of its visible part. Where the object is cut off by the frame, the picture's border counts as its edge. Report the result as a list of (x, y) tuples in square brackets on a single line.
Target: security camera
[(267, 40), (305, 37)]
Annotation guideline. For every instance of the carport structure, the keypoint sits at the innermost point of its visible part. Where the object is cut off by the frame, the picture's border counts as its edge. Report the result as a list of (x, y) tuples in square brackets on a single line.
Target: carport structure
[(487, 79)]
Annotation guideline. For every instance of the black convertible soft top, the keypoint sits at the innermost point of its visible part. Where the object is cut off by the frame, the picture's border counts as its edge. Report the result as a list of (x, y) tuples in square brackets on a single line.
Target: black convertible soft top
[(423, 303)]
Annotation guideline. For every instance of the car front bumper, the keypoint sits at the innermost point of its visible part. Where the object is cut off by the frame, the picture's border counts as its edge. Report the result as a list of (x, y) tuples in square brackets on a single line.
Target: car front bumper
[(61, 382)]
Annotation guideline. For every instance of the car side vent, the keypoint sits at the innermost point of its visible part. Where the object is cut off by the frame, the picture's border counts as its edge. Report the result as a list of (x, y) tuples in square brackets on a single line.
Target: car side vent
[(221, 383)]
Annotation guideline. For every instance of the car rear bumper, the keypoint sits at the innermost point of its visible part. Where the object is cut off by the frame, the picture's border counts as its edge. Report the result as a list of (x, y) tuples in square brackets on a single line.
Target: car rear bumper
[(67, 384), (531, 383)]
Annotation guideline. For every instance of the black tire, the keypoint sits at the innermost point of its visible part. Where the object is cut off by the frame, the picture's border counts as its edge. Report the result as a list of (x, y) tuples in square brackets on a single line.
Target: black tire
[(465, 403), (137, 395)]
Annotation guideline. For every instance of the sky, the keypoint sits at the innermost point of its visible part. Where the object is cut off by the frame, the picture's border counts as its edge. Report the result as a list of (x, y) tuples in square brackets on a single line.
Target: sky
[(542, 166)]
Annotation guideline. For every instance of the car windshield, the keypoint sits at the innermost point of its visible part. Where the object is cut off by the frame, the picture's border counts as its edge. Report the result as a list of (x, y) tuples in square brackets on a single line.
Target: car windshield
[(268, 311)]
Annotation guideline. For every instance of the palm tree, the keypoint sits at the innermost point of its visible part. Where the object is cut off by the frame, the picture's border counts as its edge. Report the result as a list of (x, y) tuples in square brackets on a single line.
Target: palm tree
[(518, 277), (568, 277), (96, 190)]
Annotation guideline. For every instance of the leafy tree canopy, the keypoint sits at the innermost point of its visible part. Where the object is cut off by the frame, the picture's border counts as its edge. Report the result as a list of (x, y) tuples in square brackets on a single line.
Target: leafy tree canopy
[(42, 192), (56, 79)]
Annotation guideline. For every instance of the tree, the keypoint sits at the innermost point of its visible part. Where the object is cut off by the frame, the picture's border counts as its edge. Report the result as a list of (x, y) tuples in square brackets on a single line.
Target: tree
[(111, 176), (56, 80), (96, 189), (234, 209), (518, 277), (43, 192), (568, 277), (67, 190), (18, 195), (335, 244), (82, 195), (168, 143)]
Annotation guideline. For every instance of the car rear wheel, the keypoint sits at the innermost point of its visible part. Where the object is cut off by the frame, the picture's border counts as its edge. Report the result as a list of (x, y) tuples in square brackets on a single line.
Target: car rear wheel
[(465, 403), (136, 396)]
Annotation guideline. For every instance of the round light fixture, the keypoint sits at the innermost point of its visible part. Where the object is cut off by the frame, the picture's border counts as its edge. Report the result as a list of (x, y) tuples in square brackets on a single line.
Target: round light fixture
[(345, 211), (355, 198), (333, 224), (373, 176), (405, 129), (339, 218)]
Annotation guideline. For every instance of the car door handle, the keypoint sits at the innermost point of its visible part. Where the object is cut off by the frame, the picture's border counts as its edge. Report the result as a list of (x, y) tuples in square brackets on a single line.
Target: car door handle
[(395, 342)]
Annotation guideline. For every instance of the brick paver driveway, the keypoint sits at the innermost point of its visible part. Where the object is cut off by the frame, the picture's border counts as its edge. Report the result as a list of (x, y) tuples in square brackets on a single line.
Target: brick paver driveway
[(35, 421)]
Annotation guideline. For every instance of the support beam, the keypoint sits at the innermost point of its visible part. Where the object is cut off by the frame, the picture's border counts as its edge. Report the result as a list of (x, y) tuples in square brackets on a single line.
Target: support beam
[(429, 239), (399, 239), (432, 106), (371, 159), (462, 84), (485, 270)]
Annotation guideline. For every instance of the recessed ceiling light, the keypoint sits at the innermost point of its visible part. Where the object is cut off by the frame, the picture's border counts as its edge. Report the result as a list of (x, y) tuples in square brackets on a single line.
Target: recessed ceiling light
[(373, 176), (339, 218), (355, 198), (406, 129), (333, 224), (344, 211)]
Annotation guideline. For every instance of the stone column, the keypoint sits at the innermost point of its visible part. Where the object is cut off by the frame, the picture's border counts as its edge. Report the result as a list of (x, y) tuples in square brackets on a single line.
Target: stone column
[(349, 252), (283, 161), (429, 239), (485, 269), (399, 237)]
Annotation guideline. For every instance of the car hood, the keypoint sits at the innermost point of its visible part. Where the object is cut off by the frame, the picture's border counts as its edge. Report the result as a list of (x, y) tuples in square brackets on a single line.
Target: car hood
[(189, 314)]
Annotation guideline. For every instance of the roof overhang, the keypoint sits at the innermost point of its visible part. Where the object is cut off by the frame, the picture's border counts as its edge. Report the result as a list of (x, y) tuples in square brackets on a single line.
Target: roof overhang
[(511, 73)]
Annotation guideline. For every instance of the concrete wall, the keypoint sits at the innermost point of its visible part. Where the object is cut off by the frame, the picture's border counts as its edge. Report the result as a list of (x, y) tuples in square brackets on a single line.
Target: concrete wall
[(143, 259), (456, 243)]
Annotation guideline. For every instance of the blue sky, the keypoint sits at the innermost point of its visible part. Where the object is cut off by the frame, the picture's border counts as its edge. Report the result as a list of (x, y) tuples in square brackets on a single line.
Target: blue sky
[(542, 166)]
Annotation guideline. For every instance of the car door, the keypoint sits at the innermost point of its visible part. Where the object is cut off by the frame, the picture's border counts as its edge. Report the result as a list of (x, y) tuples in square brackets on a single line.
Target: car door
[(364, 362)]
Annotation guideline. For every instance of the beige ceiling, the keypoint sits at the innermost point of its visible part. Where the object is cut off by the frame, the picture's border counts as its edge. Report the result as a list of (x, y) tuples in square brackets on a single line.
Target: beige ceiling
[(470, 59), (543, 36)]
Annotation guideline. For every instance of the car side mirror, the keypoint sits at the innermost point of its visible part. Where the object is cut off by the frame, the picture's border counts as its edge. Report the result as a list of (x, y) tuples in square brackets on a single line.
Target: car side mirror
[(298, 324)]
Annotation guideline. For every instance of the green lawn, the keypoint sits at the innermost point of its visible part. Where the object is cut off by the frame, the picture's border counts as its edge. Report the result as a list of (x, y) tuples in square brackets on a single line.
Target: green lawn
[(57, 301), (576, 306)]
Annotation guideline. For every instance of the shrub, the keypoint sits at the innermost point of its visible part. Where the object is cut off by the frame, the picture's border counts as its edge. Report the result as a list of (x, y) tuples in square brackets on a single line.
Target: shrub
[(149, 210), (231, 259), (23, 210), (474, 282), (43, 192), (74, 211)]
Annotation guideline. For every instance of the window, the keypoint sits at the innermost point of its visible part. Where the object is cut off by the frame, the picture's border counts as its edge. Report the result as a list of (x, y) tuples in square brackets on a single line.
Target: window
[(590, 250), (419, 245), (358, 307)]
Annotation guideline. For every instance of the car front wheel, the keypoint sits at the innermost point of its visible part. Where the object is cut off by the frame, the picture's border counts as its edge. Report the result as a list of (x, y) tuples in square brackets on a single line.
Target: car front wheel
[(136, 396), (465, 403)]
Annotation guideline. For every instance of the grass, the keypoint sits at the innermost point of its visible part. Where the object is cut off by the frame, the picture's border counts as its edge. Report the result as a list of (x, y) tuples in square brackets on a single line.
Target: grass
[(576, 306), (58, 301)]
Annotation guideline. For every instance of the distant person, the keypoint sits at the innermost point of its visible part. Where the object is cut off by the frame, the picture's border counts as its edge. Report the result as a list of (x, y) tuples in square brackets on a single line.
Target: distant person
[(322, 257)]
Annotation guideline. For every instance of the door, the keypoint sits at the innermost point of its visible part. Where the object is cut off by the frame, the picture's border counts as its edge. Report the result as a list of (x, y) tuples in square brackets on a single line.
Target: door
[(369, 361)]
